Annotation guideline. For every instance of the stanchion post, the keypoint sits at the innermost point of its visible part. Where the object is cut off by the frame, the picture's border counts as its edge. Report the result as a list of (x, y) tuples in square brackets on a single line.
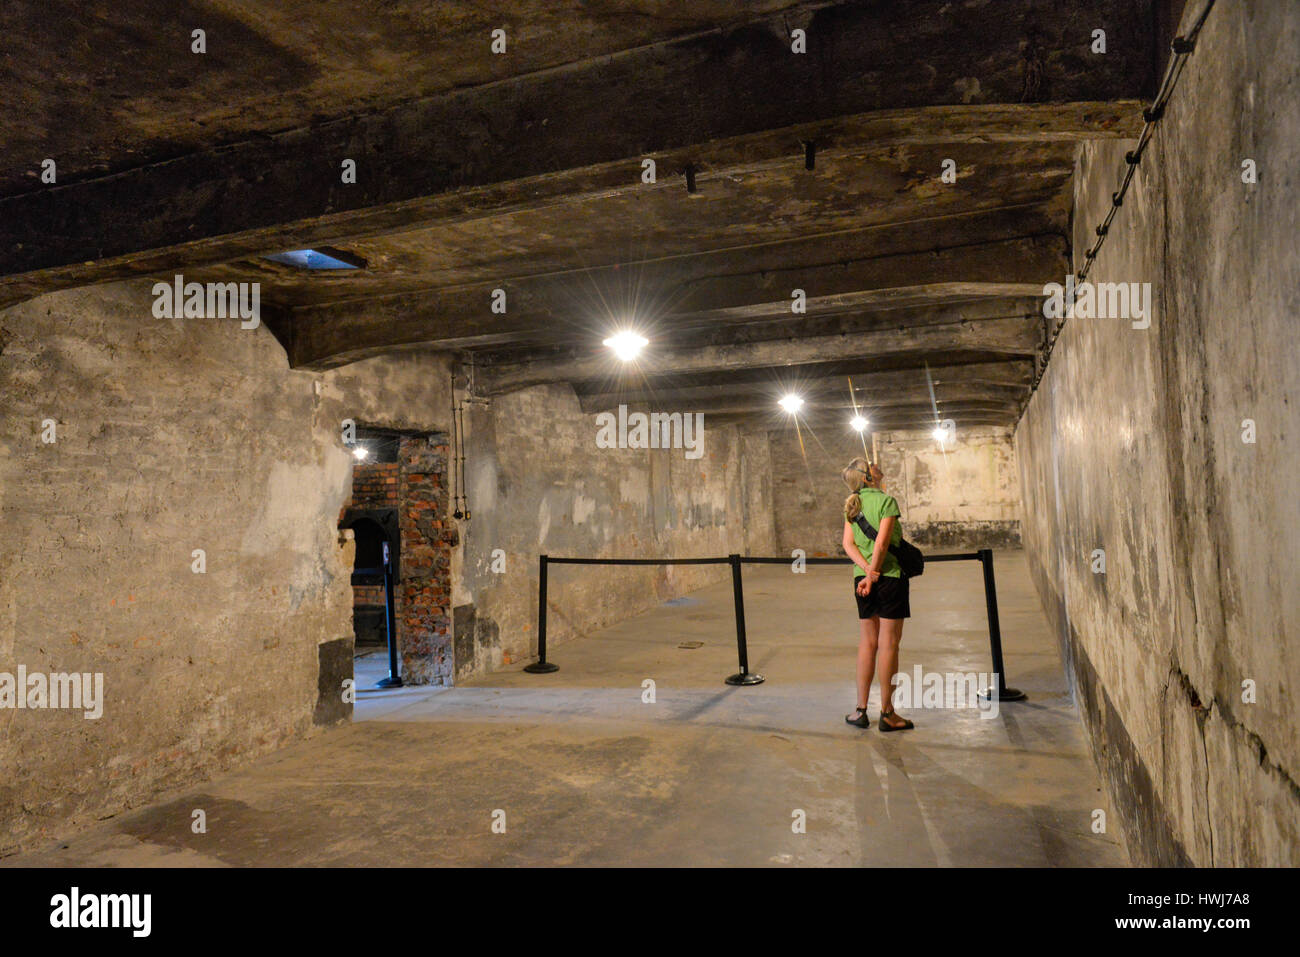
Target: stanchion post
[(541, 666), (995, 633), (743, 677), (394, 679)]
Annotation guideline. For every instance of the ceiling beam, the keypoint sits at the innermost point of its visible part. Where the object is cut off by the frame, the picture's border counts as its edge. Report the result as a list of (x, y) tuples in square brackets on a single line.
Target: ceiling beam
[(976, 401), (656, 101), (835, 424), (1017, 337), (698, 398), (572, 305), (913, 362), (786, 326)]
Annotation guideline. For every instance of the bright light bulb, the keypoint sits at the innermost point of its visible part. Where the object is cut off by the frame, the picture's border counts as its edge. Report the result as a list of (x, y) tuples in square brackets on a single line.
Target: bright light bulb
[(791, 403), (940, 435), (361, 452), (858, 423), (626, 345)]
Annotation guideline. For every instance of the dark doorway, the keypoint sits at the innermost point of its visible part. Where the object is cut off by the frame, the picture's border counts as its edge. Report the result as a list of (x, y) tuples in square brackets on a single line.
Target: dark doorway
[(399, 483), (374, 573), (370, 601)]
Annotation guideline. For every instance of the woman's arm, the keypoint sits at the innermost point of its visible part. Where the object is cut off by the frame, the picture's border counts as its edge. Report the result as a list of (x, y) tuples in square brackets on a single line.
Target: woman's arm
[(851, 549), (881, 547), (878, 552)]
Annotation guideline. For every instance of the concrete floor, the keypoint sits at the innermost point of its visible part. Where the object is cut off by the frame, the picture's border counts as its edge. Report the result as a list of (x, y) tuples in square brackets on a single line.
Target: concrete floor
[(369, 667), (709, 774)]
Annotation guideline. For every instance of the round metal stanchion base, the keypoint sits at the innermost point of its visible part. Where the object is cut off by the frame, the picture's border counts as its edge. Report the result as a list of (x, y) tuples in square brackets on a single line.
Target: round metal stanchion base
[(745, 678), (1007, 694), (389, 683), (541, 668)]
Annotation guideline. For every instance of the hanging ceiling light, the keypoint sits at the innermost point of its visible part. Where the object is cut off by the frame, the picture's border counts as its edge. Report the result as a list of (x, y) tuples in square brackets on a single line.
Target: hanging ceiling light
[(627, 345)]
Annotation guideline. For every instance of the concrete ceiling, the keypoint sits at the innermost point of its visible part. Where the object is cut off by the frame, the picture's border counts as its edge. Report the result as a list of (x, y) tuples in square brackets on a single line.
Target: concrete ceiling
[(522, 172)]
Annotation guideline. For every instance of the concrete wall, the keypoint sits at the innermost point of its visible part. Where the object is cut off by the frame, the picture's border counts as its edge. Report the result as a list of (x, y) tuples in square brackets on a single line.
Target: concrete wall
[(966, 495), (1134, 444), (537, 482), (963, 494), (171, 436), (179, 435)]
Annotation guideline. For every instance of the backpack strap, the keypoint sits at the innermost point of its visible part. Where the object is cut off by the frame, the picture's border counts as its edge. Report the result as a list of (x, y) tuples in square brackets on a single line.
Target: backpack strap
[(868, 529)]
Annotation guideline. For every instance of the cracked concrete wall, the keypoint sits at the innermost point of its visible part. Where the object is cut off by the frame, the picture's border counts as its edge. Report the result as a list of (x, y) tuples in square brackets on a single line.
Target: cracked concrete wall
[(538, 483), (171, 435), (964, 496), (1134, 444)]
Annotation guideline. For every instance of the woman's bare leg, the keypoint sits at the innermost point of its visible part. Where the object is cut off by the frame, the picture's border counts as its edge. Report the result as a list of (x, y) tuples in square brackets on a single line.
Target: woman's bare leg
[(866, 658), (891, 632)]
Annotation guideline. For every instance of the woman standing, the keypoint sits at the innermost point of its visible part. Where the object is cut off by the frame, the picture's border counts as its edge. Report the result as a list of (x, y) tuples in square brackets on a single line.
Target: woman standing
[(880, 587)]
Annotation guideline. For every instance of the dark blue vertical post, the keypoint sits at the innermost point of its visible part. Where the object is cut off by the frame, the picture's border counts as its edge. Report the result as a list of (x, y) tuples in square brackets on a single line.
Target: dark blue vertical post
[(394, 679)]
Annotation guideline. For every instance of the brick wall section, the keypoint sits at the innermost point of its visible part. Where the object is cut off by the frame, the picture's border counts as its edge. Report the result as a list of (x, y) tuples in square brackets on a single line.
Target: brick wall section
[(367, 595), (374, 486), (423, 594)]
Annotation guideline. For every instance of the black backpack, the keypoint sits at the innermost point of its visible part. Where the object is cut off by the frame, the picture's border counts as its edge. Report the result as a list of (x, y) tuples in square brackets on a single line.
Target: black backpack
[(910, 558)]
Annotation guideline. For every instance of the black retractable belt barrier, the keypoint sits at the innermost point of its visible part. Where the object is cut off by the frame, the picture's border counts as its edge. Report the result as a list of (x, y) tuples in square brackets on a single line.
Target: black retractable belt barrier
[(543, 667), (745, 677)]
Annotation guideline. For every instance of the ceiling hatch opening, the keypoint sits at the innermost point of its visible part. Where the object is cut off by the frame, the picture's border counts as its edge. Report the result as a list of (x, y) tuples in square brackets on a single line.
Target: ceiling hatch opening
[(323, 258)]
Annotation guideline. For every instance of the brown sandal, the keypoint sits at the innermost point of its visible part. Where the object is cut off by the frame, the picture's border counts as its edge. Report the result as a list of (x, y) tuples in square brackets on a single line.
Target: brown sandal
[(861, 721), (886, 726)]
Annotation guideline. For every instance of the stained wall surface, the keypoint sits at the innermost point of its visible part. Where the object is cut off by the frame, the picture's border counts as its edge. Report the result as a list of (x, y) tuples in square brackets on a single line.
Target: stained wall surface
[(965, 494), (538, 482), (1173, 451), (172, 436)]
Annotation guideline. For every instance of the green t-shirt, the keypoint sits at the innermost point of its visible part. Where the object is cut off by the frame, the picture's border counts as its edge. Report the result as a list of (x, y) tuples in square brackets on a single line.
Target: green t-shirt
[(876, 506)]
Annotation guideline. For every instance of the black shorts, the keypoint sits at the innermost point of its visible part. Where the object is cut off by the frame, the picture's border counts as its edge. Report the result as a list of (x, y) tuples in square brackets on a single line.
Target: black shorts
[(888, 598)]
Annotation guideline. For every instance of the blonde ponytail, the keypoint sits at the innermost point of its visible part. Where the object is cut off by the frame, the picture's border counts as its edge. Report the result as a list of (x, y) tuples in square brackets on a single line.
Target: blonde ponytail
[(855, 476)]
